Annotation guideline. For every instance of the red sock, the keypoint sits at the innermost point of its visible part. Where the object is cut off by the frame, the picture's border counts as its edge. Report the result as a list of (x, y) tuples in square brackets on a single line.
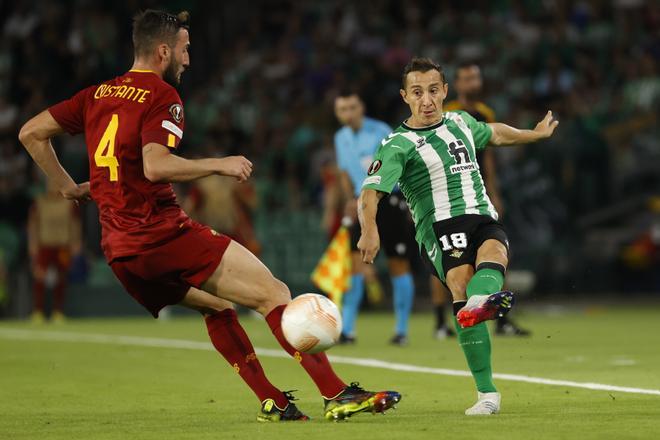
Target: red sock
[(317, 365), (229, 338), (39, 290)]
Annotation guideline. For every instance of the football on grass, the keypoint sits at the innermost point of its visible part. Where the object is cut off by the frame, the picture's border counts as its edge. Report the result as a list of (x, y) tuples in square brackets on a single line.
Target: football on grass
[(311, 323)]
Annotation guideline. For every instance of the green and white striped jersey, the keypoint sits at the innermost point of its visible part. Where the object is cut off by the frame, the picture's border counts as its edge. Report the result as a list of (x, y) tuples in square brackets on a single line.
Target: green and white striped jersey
[(436, 168)]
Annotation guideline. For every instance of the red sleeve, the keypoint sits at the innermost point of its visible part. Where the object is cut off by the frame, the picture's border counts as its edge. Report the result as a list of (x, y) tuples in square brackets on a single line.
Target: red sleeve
[(70, 113), (163, 123)]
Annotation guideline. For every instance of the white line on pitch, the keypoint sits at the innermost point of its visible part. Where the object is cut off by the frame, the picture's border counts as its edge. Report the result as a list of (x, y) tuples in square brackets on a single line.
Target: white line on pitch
[(34, 335)]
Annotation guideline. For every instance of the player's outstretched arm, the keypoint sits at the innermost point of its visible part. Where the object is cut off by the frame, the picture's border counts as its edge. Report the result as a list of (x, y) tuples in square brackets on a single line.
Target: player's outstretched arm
[(35, 136), (369, 242), (162, 166), (506, 135)]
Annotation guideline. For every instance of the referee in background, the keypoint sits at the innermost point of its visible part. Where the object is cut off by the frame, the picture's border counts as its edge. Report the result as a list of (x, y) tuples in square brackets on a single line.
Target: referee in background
[(355, 144)]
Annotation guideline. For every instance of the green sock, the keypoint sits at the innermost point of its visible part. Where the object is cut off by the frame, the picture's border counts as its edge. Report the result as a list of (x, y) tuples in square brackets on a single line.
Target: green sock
[(475, 340), (485, 282)]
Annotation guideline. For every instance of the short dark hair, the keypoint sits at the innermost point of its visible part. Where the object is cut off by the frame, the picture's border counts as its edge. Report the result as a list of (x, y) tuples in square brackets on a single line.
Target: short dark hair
[(421, 64), (346, 92), (152, 27), (464, 65)]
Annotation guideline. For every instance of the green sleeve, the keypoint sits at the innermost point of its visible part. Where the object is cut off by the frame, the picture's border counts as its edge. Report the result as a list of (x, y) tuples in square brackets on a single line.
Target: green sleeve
[(481, 131), (387, 167)]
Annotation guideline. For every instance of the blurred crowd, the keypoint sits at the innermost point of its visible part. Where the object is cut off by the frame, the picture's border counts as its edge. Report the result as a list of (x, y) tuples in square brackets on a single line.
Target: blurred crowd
[(264, 75)]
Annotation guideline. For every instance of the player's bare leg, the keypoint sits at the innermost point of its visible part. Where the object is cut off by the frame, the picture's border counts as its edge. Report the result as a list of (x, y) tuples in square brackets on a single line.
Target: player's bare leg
[(205, 303), (493, 251), (457, 281), (398, 266), (241, 278)]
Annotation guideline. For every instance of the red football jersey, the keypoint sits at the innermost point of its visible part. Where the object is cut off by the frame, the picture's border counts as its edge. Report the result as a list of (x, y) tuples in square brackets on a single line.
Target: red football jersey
[(118, 118)]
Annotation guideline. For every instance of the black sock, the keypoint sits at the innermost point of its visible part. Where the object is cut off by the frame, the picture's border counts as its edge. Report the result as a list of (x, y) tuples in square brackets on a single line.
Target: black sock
[(440, 321), (458, 305)]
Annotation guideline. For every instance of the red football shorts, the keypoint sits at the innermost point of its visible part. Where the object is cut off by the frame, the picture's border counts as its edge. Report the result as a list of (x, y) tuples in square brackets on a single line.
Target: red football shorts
[(163, 275)]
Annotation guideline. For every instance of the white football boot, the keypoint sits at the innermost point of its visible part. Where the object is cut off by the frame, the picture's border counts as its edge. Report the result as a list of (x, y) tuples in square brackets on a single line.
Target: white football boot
[(487, 404)]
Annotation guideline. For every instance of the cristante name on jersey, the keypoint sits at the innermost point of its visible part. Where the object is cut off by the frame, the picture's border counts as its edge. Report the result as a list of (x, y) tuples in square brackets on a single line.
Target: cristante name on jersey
[(129, 93)]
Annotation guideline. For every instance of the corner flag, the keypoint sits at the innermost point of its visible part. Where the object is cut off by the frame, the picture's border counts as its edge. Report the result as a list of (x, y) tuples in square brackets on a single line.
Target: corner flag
[(333, 272)]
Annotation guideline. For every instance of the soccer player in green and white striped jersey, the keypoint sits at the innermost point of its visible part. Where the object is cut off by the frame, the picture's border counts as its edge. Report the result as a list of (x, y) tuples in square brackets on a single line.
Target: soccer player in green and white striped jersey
[(432, 156)]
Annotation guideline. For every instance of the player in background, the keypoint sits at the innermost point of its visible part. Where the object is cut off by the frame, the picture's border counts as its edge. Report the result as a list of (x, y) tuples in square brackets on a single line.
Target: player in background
[(355, 144), (226, 206), (468, 84), (432, 156), (133, 124), (54, 236)]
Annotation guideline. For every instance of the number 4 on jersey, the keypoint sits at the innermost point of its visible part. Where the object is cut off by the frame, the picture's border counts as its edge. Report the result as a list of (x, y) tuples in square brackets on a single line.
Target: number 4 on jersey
[(104, 156)]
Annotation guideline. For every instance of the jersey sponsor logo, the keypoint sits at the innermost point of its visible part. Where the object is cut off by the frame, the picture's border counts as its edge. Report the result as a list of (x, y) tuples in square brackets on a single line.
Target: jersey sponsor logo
[(463, 168), (177, 112), (372, 180), (459, 151), (168, 125), (374, 167)]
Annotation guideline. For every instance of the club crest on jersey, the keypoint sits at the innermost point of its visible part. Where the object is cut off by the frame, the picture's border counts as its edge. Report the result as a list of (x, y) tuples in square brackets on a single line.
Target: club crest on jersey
[(374, 167), (456, 253), (177, 112)]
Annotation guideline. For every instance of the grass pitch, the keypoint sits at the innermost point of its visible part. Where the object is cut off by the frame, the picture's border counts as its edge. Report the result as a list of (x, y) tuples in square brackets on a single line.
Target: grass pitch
[(67, 389)]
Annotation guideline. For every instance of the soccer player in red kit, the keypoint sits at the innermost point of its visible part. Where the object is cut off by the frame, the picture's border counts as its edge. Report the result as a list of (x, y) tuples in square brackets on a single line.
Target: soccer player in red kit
[(132, 125)]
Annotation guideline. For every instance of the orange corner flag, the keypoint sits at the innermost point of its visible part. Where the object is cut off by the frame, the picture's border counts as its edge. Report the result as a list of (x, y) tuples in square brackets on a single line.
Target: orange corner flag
[(333, 272)]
